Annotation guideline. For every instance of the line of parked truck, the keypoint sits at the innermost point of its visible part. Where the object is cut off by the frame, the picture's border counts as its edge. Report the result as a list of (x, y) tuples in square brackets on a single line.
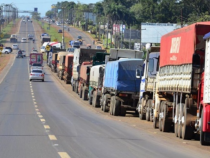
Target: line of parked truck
[(169, 85)]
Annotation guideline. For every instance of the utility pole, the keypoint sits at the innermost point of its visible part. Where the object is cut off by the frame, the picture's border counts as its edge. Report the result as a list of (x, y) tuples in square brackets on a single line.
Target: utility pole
[(130, 39), (107, 34), (63, 44)]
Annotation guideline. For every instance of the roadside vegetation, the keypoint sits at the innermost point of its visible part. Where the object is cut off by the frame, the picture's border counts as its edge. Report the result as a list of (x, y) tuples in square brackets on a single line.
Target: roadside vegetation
[(6, 31), (53, 32)]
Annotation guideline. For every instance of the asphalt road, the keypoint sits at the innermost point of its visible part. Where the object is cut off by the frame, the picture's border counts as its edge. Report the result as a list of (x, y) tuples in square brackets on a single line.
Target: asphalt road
[(42, 120), (75, 33)]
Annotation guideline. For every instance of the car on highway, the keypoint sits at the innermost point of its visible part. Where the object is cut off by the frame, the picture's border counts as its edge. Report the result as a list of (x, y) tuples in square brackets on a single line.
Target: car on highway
[(36, 74), (30, 37), (98, 47), (23, 40), (15, 46), (36, 66), (59, 31), (7, 50), (70, 49)]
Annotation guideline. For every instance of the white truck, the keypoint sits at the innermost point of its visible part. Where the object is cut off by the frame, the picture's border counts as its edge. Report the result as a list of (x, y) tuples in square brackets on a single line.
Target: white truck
[(148, 84)]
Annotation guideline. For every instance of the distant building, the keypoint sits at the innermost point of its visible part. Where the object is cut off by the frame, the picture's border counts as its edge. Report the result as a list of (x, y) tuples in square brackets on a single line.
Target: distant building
[(90, 16)]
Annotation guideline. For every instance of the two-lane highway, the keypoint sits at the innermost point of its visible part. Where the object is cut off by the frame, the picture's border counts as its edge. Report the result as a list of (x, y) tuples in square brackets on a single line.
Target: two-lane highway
[(41, 119)]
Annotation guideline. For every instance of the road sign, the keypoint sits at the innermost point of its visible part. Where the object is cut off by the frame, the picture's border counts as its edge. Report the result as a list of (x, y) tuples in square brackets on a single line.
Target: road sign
[(1, 48), (48, 48), (1, 35), (55, 40)]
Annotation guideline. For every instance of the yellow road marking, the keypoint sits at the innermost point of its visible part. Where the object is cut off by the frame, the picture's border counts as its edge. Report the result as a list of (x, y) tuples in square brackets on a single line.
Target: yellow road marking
[(52, 137), (64, 155), (42, 120), (46, 127), (38, 113), (40, 116)]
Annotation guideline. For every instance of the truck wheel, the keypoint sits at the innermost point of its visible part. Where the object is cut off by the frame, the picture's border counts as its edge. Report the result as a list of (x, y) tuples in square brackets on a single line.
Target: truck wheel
[(80, 91), (148, 114), (202, 134), (141, 113), (176, 123), (105, 102), (76, 87), (179, 121), (164, 122), (155, 122), (90, 99), (61, 77), (116, 106), (95, 99), (151, 115), (73, 88), (101, 102), (84, 93), (187, 130), (111, 106)]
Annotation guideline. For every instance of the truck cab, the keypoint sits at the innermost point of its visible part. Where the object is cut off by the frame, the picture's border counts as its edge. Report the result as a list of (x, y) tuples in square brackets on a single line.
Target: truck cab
[(148, 82)]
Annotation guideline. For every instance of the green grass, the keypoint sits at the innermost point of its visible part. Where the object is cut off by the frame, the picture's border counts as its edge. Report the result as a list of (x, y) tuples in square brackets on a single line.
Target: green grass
[(6, 31), (53, 32)]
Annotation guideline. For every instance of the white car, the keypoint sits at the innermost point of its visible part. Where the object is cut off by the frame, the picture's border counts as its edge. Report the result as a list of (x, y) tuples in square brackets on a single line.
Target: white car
[(36, 74), (23, 40), (15, 46), (6, 50)]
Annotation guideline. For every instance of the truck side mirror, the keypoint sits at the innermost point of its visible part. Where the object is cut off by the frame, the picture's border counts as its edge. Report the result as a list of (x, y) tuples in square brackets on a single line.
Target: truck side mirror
[(138, 73), (78, 68), (88, 71)]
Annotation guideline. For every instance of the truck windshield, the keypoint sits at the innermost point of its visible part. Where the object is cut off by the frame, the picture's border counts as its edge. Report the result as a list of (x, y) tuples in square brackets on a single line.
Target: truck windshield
[(151, 65)]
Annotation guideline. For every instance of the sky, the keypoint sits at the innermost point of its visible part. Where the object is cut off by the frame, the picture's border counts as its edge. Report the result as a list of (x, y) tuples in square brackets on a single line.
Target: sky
[(42, 5)]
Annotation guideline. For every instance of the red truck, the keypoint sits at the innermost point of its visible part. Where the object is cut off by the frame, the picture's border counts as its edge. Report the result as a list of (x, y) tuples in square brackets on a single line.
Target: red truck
[(180, 83), (84, 79), (68, 68), (36, 58)]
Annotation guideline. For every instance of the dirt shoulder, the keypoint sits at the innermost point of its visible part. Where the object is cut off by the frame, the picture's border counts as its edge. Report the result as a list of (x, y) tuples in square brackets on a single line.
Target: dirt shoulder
[(5, 58)]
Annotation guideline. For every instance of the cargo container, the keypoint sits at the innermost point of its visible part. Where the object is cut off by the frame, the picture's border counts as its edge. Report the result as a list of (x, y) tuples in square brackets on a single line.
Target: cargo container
[(121, 87), (68, 68), (180, 102), (61, 64)]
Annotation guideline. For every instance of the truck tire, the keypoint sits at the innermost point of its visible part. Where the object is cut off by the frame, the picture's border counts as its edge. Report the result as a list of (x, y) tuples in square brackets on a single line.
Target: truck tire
[(151, 115), (105, 102), (84, 93), (101, 102), (202, 141), (73, 88), (155, 122), (177, 122), (148, 114), (90, 99), (141, 114), (76, 87), (164, 123), (111, 106), (116, 106), (80, 91), (95, 101), (187, 130)]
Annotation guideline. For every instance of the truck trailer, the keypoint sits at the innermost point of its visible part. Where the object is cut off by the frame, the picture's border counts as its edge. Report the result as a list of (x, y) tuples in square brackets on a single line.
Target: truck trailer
[(180, 103), (61, 64), (68, 68), (121, 87), (81, 55)]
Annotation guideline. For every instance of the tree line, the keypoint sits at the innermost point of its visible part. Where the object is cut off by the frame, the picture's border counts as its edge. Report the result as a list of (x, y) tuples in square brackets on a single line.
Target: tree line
[(134, 12)]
